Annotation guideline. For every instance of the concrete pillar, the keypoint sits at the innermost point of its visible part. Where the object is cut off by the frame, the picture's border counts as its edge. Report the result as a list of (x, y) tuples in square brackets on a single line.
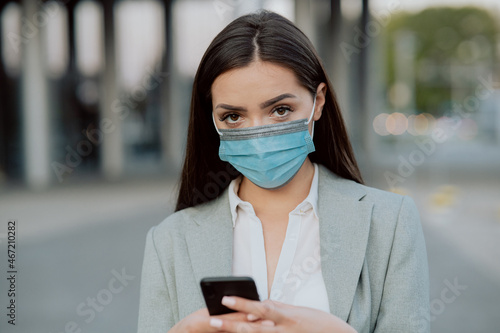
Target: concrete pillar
[(361, 139), (362, 79), (36, 130), (112, 150), (304, 21), (333, 60), (166, 105), (3, 111), (175, 110), (335, 63)]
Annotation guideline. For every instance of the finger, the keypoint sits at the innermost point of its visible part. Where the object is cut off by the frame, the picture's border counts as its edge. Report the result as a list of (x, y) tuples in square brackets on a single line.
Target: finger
[(209, 325), (239, 316), (267, 322), (266, 309), (252, 317), (215, 322), (197, 321), (231, 326)]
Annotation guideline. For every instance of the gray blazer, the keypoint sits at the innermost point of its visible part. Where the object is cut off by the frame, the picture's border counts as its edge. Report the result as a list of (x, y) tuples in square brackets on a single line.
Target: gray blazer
[(373, 259)]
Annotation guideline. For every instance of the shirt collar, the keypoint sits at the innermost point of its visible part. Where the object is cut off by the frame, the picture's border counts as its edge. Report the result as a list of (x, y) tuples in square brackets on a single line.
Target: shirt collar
[(235, 200), (312, 197)]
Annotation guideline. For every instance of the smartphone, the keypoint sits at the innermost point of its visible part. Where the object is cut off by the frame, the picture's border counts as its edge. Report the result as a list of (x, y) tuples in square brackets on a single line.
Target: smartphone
[(214, 288)]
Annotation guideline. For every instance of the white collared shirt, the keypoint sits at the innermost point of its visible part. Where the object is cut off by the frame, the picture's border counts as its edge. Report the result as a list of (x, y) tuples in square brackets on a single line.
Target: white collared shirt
[(298, 279)]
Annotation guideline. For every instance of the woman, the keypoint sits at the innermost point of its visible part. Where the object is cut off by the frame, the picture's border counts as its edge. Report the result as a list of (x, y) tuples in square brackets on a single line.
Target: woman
[(270, 188)]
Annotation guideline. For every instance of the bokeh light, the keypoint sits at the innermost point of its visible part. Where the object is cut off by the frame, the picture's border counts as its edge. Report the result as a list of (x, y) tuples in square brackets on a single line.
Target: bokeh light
[(379, 124), (396, 123), (420, 124)]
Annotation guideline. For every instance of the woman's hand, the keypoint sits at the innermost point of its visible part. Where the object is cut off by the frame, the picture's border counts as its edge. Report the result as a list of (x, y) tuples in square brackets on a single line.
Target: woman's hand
[(278, 317), (201, 322)]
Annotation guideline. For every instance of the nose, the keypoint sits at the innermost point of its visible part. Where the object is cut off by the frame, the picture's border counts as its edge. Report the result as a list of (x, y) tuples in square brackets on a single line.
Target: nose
[(258, 120)]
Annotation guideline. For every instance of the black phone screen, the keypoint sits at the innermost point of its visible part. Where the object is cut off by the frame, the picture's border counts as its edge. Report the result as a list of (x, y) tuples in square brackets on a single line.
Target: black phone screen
[(214, 288)]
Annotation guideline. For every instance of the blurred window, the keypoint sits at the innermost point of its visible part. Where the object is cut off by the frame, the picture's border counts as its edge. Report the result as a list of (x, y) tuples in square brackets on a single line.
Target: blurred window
[(140, 40), (55, 36), (12, 40), (89, 37)]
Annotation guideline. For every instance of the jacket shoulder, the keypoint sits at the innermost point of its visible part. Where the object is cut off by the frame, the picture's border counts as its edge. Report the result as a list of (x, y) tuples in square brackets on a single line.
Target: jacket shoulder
[(173, 222), (392, 214), (178, 222), (389, 205), (351, 189), (382, 197)]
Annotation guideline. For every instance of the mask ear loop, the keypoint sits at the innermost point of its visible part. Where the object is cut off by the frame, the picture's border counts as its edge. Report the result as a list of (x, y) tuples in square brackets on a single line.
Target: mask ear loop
[(215, 125), (311, 116)]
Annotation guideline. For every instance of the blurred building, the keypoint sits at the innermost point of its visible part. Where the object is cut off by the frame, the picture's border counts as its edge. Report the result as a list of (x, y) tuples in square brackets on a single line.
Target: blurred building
[(101, 88), (81, 85)]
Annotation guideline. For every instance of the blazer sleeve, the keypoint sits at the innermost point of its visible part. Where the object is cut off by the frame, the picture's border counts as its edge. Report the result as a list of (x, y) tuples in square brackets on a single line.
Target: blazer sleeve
[(405, 300), (155, 309)]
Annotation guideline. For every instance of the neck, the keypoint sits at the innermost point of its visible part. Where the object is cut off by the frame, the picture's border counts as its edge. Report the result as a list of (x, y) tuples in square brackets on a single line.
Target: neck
[(283, 199)]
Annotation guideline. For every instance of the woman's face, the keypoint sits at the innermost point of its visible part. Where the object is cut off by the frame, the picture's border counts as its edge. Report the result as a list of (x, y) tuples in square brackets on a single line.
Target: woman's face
[(262, 93)]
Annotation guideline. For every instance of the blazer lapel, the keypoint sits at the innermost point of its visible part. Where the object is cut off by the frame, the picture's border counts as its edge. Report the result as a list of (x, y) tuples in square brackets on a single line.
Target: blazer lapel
[(344, 230), (210, 240)]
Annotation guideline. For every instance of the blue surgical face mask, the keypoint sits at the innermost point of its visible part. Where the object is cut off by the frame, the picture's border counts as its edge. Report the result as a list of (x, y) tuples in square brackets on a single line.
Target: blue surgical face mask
[(268, 155)]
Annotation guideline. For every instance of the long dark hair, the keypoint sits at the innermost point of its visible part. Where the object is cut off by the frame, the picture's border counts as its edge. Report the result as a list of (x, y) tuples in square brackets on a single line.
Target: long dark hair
[(273, 38)]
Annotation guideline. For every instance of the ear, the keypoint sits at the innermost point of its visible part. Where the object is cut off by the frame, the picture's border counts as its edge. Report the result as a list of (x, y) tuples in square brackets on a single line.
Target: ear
[(320, 101)]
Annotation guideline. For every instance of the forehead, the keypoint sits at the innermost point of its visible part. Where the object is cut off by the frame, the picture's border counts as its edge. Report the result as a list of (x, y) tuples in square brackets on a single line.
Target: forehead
[(255, 82)]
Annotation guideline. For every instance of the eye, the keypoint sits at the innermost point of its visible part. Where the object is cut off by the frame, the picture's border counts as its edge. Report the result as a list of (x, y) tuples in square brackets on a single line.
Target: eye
[(282, 110), (230, 118)]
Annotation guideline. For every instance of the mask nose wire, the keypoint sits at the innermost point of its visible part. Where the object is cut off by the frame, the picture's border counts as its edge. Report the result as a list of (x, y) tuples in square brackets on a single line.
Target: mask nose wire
[(213, 119)]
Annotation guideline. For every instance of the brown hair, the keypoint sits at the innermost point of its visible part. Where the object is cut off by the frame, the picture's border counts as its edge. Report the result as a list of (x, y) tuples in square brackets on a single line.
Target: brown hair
[(272, 38)]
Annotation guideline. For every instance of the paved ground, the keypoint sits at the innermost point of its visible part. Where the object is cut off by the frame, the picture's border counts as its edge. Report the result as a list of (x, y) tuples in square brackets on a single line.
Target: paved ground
[(71, 244), (73, 241)]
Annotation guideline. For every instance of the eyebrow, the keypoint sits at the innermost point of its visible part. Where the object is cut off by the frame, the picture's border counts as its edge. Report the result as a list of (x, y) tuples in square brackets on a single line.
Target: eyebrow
[(262, 105)]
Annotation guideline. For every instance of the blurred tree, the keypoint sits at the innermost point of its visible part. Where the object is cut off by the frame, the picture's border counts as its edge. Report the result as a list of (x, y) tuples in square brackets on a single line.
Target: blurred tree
[(452, 45)]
